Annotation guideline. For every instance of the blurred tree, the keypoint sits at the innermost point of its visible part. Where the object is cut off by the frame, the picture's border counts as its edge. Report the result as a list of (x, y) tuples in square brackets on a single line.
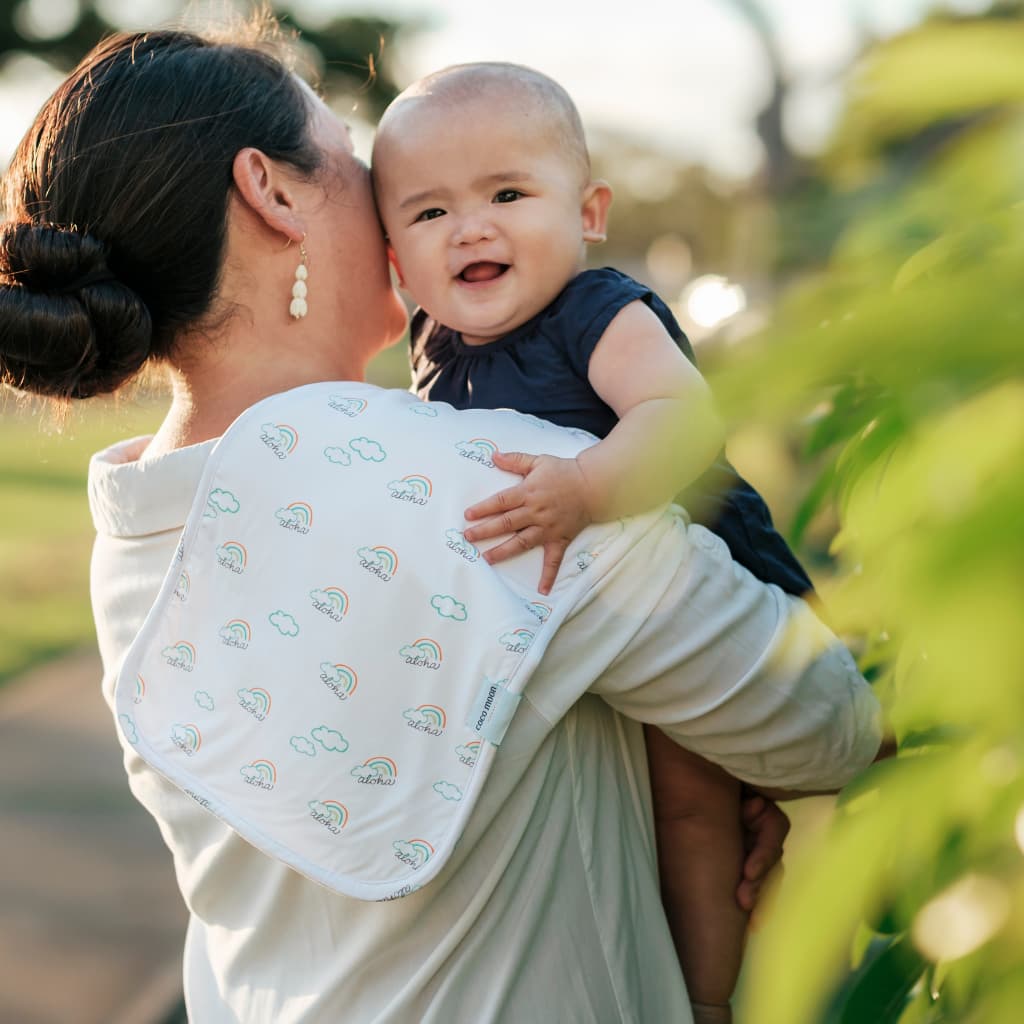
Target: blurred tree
[(905, 341), (345, 51)]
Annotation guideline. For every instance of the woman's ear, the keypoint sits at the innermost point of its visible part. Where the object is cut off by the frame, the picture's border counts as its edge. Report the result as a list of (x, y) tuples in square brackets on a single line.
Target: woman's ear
[(597, 198), (267, 192), (393, 260)]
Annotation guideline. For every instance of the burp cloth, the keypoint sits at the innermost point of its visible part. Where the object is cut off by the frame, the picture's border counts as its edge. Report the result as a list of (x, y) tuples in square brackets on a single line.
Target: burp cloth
[(329, 665)]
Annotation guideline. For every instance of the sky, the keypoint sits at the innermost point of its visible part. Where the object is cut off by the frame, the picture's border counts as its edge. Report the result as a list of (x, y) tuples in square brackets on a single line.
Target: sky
[(684, 75)]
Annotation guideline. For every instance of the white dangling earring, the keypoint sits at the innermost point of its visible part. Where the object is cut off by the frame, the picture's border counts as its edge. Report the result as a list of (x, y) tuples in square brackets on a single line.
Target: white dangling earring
[(298, 307)]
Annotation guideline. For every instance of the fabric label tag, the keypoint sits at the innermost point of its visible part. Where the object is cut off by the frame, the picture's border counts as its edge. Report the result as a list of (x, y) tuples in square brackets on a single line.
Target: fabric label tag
[(492, 710)]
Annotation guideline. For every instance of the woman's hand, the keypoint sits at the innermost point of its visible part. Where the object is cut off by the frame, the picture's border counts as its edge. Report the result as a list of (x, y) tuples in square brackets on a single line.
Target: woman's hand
[(765, 827), (548, 508)]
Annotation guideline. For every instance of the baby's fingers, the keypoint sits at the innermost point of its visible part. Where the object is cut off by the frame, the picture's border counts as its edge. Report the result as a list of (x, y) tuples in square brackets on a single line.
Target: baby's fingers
[(554, 552), (503, 501), (497, 526), (519, 542)]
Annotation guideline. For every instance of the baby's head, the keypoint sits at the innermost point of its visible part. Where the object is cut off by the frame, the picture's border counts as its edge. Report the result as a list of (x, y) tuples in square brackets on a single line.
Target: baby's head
[(483, 183)]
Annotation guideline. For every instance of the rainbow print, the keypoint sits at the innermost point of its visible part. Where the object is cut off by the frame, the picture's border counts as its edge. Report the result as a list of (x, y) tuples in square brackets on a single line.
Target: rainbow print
[(431, 648), (181, 655), (540, 609), (233, 552), (434, 715), (414, 852), (187, 738), (140, 689), (238, 629), (472, 748), (519, 638), (342, 679), (301, 512), (289, 437), (261, 773), (338, 599), (257, 699), (183, 587), (423, 848), (337, 812), (349, 406), (485, 446), (382, 766), (387, 558), (421, 485)]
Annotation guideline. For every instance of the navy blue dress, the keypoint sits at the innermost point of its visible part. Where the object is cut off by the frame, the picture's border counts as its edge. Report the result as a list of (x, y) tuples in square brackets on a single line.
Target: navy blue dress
[(541, 368)]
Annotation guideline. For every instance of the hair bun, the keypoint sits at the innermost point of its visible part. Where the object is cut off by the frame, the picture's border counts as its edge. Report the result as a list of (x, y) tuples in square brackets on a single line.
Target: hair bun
[(68, 327), (48, 258)]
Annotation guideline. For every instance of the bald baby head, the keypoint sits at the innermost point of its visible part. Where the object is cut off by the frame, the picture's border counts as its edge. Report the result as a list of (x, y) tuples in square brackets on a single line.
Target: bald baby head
[(530, 100)]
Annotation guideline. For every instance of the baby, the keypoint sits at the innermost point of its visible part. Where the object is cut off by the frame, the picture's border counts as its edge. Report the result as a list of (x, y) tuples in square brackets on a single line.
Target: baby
[(483, 183)]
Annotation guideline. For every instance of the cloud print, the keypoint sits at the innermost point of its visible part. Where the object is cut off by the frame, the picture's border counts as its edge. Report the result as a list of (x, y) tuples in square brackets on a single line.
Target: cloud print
[(277, 436), (367, 449), (302, 746), (284, 623), (180, 735), (583, 559), (221, 553), (365, 771), (456, 537), (368, 555), (423, 409), (408, 850), (338, 456), (247, 698), (465, 446), (249, 772), (410, 651), (515, 640), (343, 402), (330, 739), (220, 500), (327, 668), (287, 515), (319, 807), (448, 607), (417, 717), (128, 728), (169, 652), (470, 755), (321, 597), (401, 487), (204, 700), (447, 790)]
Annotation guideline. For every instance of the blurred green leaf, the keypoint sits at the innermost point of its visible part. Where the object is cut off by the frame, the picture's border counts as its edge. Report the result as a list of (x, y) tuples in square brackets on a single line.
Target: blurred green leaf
[(879, 990)]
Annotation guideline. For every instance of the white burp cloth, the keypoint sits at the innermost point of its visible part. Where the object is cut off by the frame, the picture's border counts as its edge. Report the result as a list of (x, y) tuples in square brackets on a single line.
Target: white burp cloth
[(329, 664)]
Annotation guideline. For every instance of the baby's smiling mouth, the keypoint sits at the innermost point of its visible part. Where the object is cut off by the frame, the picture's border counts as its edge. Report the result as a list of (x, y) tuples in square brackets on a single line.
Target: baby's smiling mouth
[(482, 271)]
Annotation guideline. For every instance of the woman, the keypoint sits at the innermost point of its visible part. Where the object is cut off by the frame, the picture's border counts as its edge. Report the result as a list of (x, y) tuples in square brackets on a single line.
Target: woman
[(160, 207)]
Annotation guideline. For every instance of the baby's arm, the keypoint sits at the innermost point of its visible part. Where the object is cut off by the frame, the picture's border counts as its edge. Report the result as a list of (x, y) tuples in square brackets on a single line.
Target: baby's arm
[(667, 435)]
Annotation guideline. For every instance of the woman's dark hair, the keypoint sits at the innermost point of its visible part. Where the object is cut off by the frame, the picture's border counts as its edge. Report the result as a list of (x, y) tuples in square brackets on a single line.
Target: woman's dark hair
[(117, 203)]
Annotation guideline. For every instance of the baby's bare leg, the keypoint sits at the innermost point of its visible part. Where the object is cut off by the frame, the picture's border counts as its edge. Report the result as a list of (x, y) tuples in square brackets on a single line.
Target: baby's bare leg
[(700, 862)]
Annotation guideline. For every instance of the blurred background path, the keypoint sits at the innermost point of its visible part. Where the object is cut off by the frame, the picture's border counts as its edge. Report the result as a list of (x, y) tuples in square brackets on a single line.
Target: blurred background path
[(91, 923)]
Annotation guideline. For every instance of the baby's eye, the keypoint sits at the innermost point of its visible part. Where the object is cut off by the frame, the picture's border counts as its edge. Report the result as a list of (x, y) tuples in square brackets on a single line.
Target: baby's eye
[(508, 195), (432, 214)]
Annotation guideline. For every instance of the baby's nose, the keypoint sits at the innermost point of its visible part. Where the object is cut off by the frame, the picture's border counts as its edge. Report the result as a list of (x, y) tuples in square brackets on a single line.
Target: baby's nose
[(473, 228)]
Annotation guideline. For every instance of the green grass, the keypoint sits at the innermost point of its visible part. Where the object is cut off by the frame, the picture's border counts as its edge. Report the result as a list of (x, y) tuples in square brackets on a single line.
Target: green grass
[(45, 528), (47, 532)]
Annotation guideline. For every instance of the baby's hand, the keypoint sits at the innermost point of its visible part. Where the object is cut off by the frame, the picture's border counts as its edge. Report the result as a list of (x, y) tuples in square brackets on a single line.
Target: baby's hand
[(547, 508)]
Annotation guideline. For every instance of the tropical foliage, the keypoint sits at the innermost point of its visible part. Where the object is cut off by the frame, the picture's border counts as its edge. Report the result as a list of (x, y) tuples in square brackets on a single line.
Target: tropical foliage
[(904, 351)]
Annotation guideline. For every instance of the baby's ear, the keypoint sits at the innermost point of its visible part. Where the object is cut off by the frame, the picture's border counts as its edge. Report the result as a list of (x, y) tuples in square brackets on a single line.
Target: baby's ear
[(393, 260), (597, 198)]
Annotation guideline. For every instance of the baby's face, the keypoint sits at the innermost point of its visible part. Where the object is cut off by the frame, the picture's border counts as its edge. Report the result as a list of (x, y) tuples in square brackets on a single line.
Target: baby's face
[(484, 213)]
